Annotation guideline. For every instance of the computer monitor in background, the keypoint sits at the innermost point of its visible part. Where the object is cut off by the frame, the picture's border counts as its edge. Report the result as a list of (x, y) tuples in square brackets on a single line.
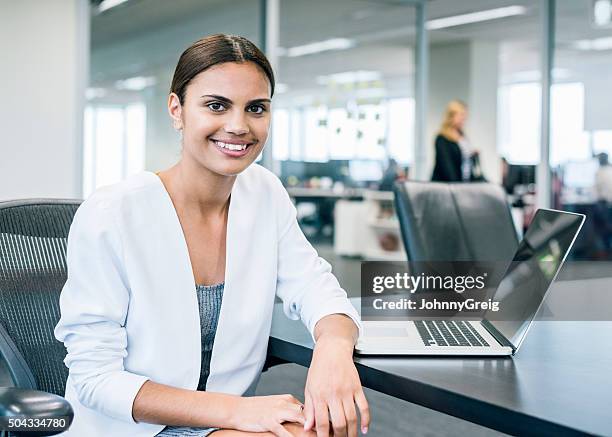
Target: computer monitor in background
[(304, 170), (519, 174), (363, 170), (580, 175)]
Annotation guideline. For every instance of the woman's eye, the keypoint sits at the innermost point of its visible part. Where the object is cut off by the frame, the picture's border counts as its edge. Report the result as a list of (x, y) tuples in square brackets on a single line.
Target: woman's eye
[(216, 107), (256, 109)]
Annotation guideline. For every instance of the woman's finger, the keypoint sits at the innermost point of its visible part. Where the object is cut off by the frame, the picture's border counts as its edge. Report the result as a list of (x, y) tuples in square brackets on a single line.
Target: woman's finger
[(308, 412), (338, 420), (364, 410), (351, 416), (296, 414), (279, 431), (321, 418)]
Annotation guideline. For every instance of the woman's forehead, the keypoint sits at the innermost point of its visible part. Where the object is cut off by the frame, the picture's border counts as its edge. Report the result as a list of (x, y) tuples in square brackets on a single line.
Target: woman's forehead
[(229, 79)]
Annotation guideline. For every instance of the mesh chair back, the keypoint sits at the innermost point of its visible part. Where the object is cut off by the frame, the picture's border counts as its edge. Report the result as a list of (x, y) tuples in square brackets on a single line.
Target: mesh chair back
[(33, 236)]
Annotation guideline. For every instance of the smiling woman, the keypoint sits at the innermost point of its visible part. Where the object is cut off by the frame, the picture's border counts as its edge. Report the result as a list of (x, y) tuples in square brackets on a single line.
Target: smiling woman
[(172, 277)]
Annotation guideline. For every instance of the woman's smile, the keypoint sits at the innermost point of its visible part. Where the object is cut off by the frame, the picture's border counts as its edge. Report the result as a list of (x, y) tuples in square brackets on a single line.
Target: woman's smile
[(232, 148)]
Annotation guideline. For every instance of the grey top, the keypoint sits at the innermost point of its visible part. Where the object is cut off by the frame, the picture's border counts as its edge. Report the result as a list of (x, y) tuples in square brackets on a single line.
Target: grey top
[(209, 301)]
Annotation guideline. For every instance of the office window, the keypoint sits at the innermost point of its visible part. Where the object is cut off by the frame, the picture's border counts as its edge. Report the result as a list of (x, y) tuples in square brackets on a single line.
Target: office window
[(602, 141), (315, 134), (519, 120), (400, 130), (371, 131), (280, 134), (114, 144), (569, 141), (368, 131), (519, 123), (342, 133)]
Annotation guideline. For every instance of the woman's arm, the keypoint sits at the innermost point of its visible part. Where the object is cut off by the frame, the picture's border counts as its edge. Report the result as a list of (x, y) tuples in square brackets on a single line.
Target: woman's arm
[(333, 386), (312, 293), (158, 403)]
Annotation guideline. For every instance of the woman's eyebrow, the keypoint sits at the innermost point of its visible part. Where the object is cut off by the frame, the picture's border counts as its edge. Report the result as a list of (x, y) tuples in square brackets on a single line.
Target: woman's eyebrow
[(226, 100)]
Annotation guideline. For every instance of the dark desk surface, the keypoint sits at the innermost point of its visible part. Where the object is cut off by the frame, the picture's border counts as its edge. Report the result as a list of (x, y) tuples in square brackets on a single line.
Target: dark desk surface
[(560, 381)]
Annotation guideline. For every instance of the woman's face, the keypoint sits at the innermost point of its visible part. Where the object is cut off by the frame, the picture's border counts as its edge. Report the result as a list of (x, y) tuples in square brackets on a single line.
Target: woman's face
[(459, 118), (225, 117)]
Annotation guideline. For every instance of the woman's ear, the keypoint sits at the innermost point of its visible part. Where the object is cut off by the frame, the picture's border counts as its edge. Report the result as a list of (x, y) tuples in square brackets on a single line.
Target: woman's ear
[(175, 110)]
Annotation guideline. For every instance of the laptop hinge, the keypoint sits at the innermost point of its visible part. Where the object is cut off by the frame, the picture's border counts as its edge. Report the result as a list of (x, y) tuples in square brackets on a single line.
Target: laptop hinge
[(497, 335)]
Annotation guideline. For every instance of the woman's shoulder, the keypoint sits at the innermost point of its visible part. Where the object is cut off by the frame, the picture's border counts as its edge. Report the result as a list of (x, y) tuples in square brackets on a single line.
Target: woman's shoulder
[(444, 138), (119, 195), (263, 180)]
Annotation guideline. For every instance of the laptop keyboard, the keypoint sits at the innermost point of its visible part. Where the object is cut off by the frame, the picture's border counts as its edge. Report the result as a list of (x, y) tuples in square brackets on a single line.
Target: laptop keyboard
[(448, 333)]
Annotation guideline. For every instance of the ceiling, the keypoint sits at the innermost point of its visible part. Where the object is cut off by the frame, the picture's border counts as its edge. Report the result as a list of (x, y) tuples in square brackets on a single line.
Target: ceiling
[(146, 36)]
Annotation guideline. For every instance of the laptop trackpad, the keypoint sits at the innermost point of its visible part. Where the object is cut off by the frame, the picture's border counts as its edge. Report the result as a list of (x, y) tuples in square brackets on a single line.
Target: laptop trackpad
[(379, 331)]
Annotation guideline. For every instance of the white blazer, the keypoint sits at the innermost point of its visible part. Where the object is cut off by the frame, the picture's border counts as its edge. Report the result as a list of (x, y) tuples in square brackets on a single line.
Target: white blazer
[(129, 310)]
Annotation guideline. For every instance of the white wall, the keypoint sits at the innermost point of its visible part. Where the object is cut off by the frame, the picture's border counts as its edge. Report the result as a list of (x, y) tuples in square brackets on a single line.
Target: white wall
[(44, 47)]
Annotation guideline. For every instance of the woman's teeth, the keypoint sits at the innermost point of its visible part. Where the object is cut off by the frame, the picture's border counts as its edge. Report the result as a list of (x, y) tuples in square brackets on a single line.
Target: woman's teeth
[(231, 146)]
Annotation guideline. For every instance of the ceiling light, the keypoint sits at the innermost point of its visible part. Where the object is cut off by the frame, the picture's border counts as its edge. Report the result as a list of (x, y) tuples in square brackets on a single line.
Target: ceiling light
[(602, 13), (137, 83), (593, 44), (318, 47), (105, 5), (535, 75), (349, 77), (475, 17)]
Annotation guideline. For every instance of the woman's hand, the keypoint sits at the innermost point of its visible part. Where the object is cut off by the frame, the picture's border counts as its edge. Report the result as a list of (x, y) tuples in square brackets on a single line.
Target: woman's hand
[(267, 413), (333, 388)]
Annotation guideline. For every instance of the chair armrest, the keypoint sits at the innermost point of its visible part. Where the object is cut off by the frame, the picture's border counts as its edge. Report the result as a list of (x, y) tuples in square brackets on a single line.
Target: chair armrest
[(34, 404)]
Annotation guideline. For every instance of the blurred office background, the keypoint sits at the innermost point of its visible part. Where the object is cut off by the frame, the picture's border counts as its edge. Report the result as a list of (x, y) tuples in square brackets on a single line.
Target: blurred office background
[(360, 83)]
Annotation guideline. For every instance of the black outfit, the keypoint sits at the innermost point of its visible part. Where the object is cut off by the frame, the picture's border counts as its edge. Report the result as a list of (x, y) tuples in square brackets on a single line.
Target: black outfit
[(448, 161)]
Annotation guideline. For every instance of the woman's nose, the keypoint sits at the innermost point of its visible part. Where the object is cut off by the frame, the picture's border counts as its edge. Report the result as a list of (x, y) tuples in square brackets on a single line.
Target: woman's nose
[(237, 124)]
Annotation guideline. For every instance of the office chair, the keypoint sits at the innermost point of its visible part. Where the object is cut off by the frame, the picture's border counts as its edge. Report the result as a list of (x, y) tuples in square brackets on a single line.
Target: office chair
[(455, 221), (33, 236)]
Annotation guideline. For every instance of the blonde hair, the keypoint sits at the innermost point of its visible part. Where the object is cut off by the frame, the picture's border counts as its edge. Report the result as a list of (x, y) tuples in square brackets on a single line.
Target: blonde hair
[(447, 129)]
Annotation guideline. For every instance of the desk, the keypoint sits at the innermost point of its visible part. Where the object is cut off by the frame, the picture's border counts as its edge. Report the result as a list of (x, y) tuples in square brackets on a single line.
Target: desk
[(558, 383), (322, 193)]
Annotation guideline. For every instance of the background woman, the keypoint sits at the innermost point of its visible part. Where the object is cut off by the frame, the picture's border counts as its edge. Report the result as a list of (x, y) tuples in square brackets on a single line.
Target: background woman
[(455, 161), (163, 266)]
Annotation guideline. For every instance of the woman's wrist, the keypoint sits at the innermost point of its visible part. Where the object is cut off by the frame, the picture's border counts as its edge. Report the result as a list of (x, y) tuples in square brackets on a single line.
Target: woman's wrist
[(339, 343), (227, 409)]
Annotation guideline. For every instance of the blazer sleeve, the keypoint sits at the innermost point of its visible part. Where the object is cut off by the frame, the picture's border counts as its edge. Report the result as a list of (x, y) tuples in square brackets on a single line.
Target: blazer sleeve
[(94, 304), (305, 284)]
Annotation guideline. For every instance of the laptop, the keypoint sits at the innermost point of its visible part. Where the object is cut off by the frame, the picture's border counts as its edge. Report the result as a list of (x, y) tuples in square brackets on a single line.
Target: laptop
[(540, 254)]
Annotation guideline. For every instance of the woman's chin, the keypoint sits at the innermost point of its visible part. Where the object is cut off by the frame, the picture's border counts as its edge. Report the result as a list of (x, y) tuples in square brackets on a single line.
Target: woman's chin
[(229, 168)]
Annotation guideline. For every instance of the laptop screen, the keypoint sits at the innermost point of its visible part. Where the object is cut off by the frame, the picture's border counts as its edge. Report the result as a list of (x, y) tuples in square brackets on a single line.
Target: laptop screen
[(534, 267)]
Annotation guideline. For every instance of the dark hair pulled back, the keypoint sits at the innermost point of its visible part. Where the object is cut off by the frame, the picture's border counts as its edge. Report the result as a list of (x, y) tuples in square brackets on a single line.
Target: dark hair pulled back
[(213, 50)]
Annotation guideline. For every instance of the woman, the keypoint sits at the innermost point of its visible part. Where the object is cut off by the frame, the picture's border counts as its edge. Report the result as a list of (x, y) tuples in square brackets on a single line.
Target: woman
[(161, 267), (455, 162)]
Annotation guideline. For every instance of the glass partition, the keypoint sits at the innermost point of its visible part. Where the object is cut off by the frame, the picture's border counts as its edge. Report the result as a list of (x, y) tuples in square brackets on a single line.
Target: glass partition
[(581, 121)]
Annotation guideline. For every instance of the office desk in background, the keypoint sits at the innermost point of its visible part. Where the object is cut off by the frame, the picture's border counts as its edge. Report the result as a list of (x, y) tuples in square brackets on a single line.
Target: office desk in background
[(559, 383)]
